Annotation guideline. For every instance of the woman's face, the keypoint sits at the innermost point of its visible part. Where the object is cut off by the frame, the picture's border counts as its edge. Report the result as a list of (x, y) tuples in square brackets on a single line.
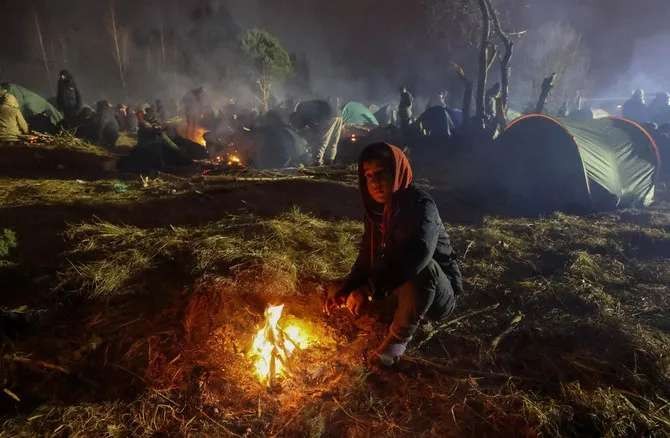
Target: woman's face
[(379, 181)]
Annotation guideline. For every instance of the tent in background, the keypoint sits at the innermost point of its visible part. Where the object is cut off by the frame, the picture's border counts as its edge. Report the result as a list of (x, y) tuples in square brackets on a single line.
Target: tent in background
[(547, 164), (357, 114), (38, 112)]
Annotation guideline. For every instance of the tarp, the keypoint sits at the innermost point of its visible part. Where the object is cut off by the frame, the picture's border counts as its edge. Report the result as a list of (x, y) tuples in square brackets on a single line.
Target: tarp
[(560, 164), (384, 115), (436, 121), (277, 147), (33, 105), (311, 113), (357, 114)]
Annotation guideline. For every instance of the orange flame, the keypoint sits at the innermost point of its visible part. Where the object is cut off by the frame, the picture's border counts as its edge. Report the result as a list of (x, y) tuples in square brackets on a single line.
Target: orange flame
[(272, 346), (194, 133)]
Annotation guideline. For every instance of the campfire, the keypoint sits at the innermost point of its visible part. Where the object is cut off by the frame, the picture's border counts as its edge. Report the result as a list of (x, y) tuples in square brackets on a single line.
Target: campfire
[(273, 346), (234, 160), (196, 134)]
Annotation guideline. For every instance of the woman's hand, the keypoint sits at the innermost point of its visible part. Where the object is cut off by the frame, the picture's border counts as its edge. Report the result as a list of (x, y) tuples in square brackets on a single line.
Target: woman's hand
[(333, 300), (355, 301)]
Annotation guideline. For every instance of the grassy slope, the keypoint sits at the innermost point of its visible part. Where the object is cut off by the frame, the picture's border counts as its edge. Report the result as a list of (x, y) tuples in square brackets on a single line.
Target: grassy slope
[(563, 330)]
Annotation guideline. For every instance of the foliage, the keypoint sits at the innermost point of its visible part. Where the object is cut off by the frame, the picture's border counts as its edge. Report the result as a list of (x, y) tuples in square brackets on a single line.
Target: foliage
[(267, 54), (271, 61), (7, 242)]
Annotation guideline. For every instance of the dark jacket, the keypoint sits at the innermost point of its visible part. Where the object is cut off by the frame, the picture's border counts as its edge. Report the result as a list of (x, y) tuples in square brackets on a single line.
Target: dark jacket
[(415, 235), (68, 99)]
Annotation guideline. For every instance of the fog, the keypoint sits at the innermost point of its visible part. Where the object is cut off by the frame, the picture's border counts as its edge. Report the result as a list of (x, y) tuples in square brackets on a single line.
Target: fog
[(361, 50)]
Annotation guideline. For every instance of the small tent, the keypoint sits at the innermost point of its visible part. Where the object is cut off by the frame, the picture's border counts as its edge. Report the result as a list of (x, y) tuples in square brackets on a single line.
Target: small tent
[(559, 164), (40, 114), (277, 147), (357, 114)]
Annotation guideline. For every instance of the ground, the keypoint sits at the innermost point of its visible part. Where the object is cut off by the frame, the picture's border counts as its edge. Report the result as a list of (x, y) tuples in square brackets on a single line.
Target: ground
[(130, 305)]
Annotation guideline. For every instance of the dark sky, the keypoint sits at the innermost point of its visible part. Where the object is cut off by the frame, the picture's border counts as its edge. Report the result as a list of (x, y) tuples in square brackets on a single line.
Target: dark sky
[(361, 47)]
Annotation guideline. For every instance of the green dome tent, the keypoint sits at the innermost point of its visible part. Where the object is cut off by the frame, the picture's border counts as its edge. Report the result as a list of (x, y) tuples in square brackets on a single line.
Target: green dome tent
[(558, 164), (33, 106), (357, 114)]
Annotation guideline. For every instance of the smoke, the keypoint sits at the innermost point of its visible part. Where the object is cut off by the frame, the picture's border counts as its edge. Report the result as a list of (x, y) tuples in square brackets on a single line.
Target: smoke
[(360, 50), (649, 68), (554, 47)]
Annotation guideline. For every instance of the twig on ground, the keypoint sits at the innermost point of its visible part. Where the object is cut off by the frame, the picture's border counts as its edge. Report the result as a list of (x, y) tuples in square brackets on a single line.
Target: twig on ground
[(342, 408), (36, 363), (290, 420), (454, 321), (517, 319)]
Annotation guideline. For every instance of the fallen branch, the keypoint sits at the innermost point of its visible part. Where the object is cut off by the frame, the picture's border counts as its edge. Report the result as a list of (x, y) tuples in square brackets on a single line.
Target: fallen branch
[(347, 412), (465, 371), (517, 319), (290, 420), (36, 363), (230, 178), (454, 321)]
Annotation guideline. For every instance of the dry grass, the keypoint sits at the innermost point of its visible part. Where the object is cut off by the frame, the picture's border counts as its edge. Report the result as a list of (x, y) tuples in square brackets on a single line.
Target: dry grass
[(116, 259), (21, 192), (66, 141), (563, 331)]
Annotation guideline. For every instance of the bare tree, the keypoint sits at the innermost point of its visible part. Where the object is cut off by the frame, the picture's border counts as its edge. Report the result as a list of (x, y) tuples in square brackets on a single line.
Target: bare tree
[(38, 29), (467, 95), (505, 63), (547, 86), (484, 61), (114, 30)]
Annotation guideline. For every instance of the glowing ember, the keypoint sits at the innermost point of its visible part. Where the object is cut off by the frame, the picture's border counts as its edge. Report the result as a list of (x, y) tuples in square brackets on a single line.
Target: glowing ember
[(234, 160), (230, 160), (273, 346)]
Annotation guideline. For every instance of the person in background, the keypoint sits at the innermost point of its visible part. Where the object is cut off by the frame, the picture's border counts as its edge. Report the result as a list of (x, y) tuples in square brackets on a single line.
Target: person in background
[(12, 122), (68, 98), (635, 108), (659, 109), (121, 114), (106, 124), (405, 109), (160, 111)]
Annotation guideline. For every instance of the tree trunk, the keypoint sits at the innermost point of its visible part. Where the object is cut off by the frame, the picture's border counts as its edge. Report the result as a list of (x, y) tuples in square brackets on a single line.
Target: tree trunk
[(265, 88), (505, 66), (467, 93), (483, 61), (117, 49), (162, 41), (45, 61), (547, 85)]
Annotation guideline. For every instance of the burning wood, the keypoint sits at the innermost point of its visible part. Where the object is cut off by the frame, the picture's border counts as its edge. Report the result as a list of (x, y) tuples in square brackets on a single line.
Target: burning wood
[(196, 134), (273, 346)]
